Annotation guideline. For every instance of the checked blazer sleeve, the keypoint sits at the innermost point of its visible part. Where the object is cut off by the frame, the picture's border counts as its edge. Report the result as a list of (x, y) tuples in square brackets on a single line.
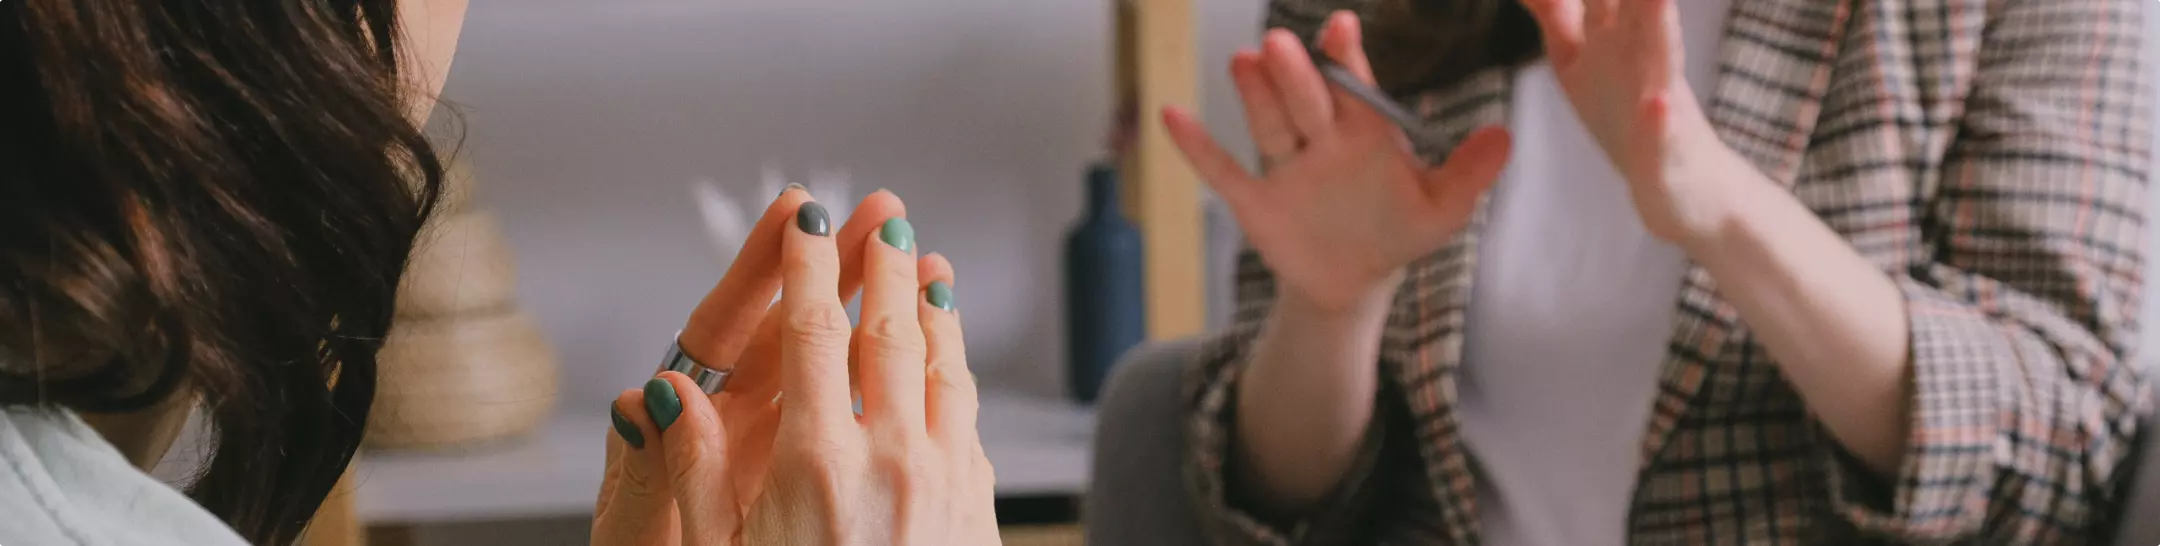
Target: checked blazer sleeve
[(2023, 326)]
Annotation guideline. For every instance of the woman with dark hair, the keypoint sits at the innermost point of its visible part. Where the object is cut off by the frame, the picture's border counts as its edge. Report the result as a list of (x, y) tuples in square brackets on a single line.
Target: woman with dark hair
[(209, 204), (1753, 272)]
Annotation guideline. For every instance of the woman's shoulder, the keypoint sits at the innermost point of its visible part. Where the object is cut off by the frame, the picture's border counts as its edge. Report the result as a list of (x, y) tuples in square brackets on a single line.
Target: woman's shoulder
[(61, 483)]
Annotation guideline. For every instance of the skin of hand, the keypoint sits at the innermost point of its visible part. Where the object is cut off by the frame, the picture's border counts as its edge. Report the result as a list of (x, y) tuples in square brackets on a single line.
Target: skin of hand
[(1345, 204), (781, 458), (1835, 323), (1622, 65)]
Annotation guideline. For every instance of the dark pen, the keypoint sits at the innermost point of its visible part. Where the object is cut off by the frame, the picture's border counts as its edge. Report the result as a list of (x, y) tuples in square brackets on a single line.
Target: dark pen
[(1342, 78)]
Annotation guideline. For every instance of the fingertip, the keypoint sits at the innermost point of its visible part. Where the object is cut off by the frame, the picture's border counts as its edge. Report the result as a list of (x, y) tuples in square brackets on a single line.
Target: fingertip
[(1172, 115), (663, 401), (934, 267), (881, 199), (626, 429), (1343, 26)]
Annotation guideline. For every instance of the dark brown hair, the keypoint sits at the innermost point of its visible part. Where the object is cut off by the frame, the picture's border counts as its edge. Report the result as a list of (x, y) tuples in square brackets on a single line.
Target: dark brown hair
[(1421, 44), (209, 198)]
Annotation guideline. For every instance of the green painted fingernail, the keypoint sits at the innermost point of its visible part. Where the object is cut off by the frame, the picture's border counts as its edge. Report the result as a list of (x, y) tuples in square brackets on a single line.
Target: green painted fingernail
[(899, 234), (625, 428), (940, 295), (662, 402)]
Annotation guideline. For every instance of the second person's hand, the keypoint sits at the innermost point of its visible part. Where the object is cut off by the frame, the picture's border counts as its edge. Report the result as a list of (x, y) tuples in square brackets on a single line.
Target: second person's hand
[(1345, 204)]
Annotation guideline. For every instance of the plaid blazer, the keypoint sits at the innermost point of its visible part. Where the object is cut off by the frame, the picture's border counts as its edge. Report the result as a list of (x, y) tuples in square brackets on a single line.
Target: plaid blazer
[(1991, 155)]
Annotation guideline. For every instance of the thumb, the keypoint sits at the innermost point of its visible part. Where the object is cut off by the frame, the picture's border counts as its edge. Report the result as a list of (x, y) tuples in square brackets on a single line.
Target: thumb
[(694, 442), (636, 506), (1471, 169)]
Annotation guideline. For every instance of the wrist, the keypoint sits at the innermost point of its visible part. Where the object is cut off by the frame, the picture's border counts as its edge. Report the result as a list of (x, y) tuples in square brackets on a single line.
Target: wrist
[(1725, 186), (1342, 305)]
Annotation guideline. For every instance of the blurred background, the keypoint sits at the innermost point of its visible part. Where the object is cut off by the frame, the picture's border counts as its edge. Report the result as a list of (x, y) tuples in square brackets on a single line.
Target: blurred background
[(591, 125)]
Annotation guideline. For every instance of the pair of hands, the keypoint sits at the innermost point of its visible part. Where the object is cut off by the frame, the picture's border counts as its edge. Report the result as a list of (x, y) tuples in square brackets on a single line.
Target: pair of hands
[(780, 456), (1345, 204)]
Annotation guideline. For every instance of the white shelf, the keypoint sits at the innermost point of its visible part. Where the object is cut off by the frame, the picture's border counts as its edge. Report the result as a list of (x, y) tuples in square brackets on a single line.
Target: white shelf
[(1039, 446)]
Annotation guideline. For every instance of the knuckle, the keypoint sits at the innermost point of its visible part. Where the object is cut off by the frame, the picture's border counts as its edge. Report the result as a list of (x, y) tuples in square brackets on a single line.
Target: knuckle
[(895, 272), (688, 466), (893, 339), (953, 377), (909, 467), (820, 326)]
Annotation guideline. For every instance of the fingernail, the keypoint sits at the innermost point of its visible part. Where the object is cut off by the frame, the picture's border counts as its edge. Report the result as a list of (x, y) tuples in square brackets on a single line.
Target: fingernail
[(792, 186), (662, 402), (812, 219), (899, 234), (625, 428), (940, 295)]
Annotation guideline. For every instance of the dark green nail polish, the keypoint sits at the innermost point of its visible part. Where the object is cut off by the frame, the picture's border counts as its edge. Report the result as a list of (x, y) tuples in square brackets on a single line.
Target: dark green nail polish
[(625, 428), (812, 219), (940, 295), (662, 402), (899, 234)]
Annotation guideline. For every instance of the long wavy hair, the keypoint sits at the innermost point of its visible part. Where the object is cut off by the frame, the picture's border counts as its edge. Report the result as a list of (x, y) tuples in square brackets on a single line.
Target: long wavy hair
[(211, 199), (1421, 44)]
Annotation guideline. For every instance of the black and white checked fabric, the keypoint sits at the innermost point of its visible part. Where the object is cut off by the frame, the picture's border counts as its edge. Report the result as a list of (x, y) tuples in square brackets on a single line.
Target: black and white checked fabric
[(1990, 154)]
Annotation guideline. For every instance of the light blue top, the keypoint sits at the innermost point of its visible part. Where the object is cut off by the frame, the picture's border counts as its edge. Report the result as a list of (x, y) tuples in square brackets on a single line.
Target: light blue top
[(61, 484)]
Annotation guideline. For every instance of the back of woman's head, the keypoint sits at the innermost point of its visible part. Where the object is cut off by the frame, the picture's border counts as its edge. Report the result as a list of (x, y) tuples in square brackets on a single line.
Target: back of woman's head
[(209, 199), (1420, 44)]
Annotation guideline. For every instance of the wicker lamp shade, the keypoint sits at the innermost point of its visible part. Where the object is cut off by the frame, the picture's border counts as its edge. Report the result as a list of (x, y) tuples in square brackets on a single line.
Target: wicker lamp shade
[(451, 382), (464, 363)]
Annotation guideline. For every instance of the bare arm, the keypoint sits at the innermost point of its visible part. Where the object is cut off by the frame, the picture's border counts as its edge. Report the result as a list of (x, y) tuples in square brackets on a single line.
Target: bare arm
[(1307, 400)]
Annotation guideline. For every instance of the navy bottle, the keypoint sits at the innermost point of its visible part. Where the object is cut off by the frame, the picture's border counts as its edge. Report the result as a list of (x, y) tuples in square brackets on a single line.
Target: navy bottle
[(1105, 312)]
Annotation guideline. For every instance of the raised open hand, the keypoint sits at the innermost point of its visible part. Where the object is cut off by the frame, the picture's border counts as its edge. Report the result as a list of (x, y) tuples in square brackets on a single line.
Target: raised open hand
[(1621, 64), (1345, 204)]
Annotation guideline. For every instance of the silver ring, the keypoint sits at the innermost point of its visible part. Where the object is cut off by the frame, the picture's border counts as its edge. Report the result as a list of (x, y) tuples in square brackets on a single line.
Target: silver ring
[(710, 380)]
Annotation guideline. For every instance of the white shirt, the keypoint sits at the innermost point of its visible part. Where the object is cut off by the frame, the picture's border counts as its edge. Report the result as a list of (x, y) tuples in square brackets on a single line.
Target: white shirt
[(1570, 315), (61, 483)]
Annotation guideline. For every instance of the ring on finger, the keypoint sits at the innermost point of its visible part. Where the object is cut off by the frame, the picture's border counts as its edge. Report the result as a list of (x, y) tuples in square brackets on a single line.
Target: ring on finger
[(710, 380)]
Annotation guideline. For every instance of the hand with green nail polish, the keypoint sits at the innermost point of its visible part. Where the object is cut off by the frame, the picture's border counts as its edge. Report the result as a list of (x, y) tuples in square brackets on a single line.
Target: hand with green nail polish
[(780, 457)]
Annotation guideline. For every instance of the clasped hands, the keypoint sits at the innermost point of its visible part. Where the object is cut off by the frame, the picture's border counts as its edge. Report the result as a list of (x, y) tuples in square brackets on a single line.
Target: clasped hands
[(779, 457)]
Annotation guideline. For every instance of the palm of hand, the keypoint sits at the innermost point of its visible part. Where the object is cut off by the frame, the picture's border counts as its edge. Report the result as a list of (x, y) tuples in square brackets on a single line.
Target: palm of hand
[(1349, 213), (1347, 204)]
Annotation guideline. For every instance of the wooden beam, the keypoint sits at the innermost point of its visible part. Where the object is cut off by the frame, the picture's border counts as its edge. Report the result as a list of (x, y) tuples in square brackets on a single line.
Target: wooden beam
[(1157, 60)]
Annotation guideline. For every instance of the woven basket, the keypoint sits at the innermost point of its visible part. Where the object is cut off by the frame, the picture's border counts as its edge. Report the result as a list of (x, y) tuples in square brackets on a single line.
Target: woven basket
[(460, 264), (463, 380)]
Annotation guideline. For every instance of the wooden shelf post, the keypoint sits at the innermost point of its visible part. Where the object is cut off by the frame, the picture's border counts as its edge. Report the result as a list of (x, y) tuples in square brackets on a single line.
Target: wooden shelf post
[(1157, 57)]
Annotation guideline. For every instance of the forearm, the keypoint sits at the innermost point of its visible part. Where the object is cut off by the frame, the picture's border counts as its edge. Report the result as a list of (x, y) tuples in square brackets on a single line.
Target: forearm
[(1305, 400), (1835, 323)]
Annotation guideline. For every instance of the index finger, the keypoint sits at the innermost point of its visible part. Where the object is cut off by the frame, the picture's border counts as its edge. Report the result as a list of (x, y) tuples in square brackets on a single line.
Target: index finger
[(723, 322)]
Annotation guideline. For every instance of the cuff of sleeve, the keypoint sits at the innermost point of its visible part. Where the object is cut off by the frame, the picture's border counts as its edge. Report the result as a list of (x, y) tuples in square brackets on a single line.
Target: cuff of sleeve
[(1211, 426), (1956, 443)]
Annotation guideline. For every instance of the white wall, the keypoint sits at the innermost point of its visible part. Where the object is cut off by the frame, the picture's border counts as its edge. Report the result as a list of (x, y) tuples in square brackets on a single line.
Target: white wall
[(588, 120)]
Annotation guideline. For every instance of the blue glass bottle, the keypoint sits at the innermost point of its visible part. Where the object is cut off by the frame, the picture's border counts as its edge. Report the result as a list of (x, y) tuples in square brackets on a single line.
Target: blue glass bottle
[(1105, 311)]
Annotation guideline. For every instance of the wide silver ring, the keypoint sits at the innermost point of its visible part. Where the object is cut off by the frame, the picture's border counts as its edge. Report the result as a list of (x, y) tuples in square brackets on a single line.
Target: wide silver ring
[(710, 380)]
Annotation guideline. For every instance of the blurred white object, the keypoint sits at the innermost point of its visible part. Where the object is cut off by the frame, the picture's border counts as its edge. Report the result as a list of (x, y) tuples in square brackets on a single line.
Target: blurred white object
[(728, 219)]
